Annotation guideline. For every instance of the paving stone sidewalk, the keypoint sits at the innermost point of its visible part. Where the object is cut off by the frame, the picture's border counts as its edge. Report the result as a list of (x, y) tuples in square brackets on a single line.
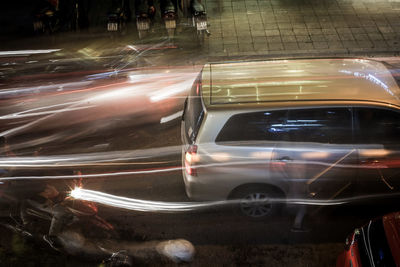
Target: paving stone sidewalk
[(282, 27)]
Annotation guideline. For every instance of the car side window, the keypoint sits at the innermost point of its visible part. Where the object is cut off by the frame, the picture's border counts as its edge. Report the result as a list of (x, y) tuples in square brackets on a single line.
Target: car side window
[(320, 125), (377, 126), (257, 126)]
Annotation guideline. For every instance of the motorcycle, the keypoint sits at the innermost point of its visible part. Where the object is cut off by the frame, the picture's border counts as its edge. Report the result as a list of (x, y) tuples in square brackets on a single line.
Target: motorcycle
[(78, 230), (117, 19), (169, 16), (145, 12), (199, 20), (46, 19)]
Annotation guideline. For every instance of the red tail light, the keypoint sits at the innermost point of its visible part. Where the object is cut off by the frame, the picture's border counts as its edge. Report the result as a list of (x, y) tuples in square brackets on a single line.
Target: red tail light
[(190, 158)]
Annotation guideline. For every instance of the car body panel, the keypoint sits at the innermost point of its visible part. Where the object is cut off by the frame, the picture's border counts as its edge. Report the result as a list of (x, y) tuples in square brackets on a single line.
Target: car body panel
[(252, 83), (391, 224)]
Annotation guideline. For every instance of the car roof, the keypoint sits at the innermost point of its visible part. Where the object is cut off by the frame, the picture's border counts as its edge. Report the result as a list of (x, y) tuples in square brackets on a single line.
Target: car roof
[(267, 83)]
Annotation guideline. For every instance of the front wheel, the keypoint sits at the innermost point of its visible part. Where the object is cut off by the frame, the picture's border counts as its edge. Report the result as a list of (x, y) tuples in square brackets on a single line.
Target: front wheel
[(200, 38), (171, 34), (142, 34), (256, 202)]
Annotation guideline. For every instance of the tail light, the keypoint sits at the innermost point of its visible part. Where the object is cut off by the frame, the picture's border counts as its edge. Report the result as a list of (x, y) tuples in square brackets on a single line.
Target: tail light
[(190, 158)]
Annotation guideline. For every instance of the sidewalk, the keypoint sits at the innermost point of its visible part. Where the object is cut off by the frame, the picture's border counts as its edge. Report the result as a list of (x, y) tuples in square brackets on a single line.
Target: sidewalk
[(281, 27)]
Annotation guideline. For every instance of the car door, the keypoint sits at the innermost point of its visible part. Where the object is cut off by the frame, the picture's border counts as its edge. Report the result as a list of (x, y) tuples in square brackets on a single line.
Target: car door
[(377, 133), (318, 156), (244, 147)]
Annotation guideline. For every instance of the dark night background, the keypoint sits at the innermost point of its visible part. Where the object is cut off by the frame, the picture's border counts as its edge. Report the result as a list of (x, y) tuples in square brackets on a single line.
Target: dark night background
[(16, 17)]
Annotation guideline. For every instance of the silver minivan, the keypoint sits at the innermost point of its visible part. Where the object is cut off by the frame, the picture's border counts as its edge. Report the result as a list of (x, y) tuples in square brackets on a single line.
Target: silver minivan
[(317, 130)]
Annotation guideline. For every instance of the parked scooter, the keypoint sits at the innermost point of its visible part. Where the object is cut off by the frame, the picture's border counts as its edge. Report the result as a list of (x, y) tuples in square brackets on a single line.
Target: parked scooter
[(78, 230), (118, 17), (46, 18), (170, 16), (145, 12), (199, 20)]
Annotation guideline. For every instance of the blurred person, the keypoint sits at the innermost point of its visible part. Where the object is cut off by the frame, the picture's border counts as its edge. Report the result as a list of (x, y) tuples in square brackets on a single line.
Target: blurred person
[(122, 6)]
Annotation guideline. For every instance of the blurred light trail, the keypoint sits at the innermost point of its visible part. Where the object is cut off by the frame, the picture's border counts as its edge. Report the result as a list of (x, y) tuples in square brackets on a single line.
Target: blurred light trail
[(27, 52), (171, 117), (96, 175), (4, 93), (34, 164), (163, 206), (79, 159), (33, 112), (174, 89), (139, 204), (126, 156)]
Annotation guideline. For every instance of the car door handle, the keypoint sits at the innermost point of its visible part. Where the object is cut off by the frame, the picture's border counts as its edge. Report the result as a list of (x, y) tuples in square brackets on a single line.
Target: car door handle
[(285, 159)]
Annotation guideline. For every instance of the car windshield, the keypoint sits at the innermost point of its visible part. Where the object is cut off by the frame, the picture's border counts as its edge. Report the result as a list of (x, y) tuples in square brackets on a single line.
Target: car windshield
[(378, 244), (198, 132), (193, 111)]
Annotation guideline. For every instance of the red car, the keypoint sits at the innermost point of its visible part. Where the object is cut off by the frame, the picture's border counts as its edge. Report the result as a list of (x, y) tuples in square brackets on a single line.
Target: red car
[(375, 244)]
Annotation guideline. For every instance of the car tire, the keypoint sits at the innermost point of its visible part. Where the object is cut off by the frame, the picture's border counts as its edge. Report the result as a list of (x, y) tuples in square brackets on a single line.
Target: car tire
[(256, 201)]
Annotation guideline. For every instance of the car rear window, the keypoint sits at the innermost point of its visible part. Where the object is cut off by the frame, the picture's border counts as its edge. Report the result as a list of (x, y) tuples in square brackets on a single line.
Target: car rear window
[(194, 112), (377, 126)]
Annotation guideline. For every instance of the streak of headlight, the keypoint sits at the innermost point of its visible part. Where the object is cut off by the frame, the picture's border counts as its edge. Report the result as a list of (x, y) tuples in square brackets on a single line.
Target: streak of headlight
[(171, 117), (374, 152), (132, 47), (262, 154), (93, 159), (219, 156), (89, 158), (102, 75), (97, 175), (52, 87), (246, 164), (162, 206), (278, 83), (23, 115), (116, 94), (28, 52), (31, 124), (138, 204), (314, 154), (28, 125), (174, 89)]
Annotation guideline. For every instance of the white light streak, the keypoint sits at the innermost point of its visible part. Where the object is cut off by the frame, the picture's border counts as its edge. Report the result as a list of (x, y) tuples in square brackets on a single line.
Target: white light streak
[(139, 204), (26, 113), (41, 88), (171, 117), (162, 206), (27, 52), (174, 89)]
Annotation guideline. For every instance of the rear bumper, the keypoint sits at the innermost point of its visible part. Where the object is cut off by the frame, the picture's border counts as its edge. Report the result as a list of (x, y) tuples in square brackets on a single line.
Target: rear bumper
[(201, 188)]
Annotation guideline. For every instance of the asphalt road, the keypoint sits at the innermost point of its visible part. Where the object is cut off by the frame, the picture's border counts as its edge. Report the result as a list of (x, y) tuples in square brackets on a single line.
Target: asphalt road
[(98, 110)]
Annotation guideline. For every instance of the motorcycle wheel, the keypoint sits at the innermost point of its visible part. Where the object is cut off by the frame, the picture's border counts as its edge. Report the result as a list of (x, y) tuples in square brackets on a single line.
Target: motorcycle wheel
[(123, 28), (142, 34), (171, 34), (200, 38)]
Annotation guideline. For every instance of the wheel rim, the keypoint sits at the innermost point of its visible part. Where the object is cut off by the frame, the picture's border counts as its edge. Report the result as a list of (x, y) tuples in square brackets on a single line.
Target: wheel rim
[(256, 205)]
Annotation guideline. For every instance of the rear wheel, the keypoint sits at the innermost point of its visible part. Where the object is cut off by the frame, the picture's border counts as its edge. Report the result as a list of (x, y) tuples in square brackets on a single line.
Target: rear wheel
[(142, 34), (256, 201), (200, 38)]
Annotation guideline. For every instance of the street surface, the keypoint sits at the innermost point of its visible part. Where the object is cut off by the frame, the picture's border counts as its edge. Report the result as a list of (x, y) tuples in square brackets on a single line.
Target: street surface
[(110, 108), (104, 124)]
